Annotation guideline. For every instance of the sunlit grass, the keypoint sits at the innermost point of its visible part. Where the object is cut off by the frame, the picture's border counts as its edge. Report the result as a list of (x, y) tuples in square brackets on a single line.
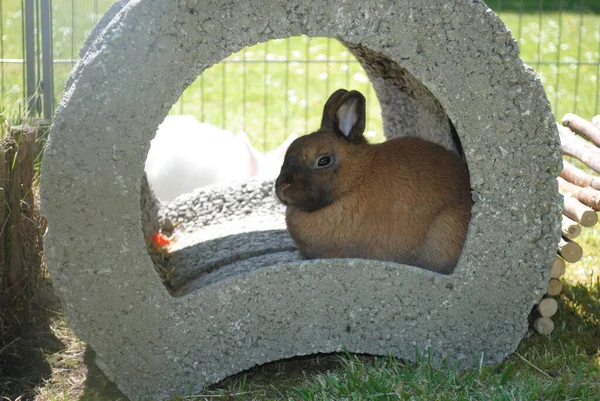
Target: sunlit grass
[(269, 101)]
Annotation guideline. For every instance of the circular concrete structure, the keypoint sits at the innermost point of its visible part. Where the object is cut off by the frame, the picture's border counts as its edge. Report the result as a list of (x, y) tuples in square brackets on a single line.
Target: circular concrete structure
[(426, 60)]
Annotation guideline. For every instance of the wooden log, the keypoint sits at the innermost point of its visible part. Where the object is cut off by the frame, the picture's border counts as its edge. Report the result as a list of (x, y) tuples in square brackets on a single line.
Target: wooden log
[(569, 250), (582, 127), (558, 267), (547, 307), (554, 287), (29, 230), (16, 268), (588, 196), (543, 325), (579, 177), (579, 212), (596, 121), (579, 149), (3, 236), (570, 229)]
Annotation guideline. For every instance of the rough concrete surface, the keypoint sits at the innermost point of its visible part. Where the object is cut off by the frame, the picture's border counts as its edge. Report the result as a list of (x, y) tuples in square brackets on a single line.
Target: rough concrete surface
[(152, 344)]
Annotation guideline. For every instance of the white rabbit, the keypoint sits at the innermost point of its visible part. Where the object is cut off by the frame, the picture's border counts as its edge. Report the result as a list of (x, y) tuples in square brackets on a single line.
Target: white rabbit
[(271, 162), (186, 154)]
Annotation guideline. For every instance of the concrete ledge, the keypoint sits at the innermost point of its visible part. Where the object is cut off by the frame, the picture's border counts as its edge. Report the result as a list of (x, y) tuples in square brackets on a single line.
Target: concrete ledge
[(152, 344)]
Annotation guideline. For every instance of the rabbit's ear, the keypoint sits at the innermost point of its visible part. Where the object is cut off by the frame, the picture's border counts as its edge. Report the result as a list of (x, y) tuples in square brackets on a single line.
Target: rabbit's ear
[(329, 120), (350, 115)]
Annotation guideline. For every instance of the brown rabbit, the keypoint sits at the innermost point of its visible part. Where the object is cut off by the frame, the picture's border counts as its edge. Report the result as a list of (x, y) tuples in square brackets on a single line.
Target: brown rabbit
[(406, 200)]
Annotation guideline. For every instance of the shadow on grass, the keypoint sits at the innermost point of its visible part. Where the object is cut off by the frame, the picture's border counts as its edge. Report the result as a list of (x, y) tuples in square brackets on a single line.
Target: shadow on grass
[(570, 352), (97, 384), (575, 341), (47, 359), (44, 360), (23, 358)]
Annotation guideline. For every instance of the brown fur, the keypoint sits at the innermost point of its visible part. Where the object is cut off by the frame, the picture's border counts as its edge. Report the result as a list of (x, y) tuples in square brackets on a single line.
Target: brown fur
[(406, 200)]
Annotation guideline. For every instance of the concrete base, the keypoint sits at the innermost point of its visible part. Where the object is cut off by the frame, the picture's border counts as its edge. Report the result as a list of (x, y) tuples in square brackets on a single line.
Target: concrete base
[(463, 64)]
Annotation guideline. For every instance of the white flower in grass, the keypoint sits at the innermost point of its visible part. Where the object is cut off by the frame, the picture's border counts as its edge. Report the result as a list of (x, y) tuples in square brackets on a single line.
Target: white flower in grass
[(292, 97)]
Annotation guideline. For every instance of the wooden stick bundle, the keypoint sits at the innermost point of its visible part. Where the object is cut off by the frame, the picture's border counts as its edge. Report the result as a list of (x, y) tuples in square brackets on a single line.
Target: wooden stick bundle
[(570, 229), (579, 149), (579, 212), (579, 177), (581, 192), (569, 250), (558, 268), (554, 287), (547, 307), (582, 127), (543, 325), (588, 196)]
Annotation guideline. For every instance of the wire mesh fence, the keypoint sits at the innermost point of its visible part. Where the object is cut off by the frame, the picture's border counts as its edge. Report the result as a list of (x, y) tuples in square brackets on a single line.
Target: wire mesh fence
[(273, 89)]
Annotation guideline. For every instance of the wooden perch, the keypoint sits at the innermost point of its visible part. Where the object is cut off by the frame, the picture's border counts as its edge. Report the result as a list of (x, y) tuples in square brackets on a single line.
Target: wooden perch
[(543, 325), (582, 127), (579, 177), (569, 250), (554, 287), (547, 307), (570, 229), (588, 196), (579, 212), (558, 268), (579, 149)]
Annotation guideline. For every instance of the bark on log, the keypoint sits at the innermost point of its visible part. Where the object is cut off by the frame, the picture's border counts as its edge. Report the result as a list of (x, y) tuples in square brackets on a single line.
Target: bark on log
[(3, 284), (579, 177), (588, 196), (579, 212), (16, 270), (558, 268), (543, 325), (554, 287), (582, 127), (547, 307), (569, 250), (579, 149), (570, 229)]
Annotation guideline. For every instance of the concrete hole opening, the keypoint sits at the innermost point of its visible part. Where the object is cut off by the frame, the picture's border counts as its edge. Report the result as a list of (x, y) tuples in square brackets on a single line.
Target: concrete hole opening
[(152, 344), (211, 191)]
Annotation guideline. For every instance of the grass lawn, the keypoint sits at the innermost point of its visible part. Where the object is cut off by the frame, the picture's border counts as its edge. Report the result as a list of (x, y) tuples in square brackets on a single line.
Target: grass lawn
[(271, 100), (563, 366)]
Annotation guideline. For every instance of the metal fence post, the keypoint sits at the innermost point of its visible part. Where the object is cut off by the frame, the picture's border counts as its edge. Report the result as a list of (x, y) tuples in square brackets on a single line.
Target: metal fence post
[(47, 59), (30, 56)]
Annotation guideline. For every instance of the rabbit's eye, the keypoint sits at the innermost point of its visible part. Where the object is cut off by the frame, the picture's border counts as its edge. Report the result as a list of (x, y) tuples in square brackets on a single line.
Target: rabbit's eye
[(323, 161)]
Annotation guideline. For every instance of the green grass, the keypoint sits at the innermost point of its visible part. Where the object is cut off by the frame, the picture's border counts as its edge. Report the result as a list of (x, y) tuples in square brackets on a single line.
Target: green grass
[(568, 65), (271, 100), (563, 366)]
